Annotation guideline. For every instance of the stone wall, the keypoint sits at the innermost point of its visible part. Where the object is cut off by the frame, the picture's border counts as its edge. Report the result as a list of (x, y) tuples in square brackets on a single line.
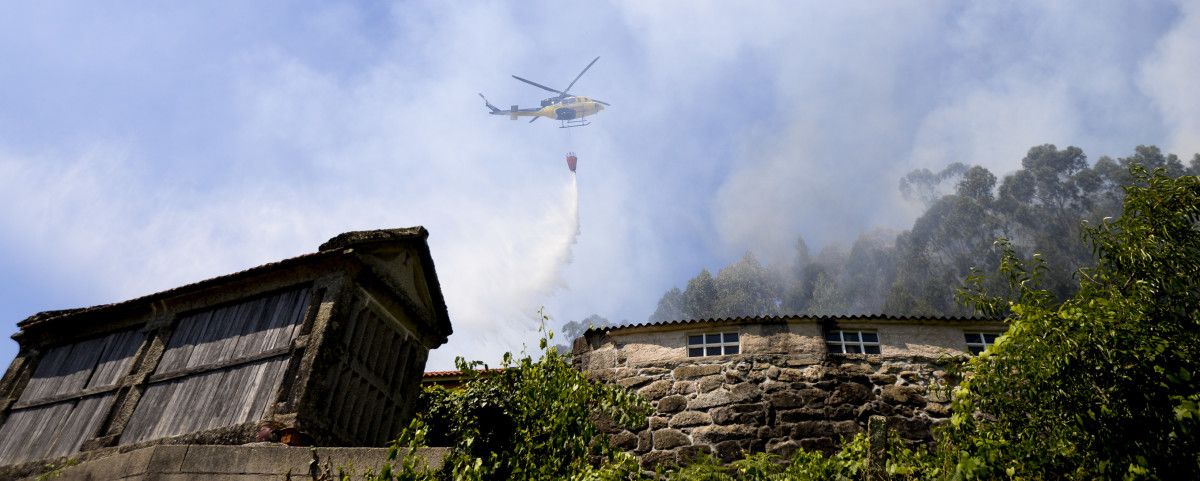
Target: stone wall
[(775, 403), (266, 462)]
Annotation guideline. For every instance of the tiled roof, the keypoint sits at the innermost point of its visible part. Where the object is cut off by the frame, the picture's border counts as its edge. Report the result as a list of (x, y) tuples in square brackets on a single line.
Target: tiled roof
[(440, 374), (783, 318)]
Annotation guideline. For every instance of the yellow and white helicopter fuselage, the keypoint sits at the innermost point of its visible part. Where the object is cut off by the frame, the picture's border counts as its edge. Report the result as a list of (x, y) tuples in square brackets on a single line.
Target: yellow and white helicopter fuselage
[(567, 107), (570, 109)]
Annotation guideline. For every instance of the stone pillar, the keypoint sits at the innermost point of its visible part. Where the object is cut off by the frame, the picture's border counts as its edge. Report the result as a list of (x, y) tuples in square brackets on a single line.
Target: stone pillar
[(877, 437)]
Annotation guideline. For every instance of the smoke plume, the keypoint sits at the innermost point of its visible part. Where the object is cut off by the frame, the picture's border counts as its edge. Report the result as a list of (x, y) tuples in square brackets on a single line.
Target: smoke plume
[(515, 287)]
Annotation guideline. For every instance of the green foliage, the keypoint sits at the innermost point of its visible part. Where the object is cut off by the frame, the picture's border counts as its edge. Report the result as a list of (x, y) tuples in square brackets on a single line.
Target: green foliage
[(849, 463), (403, 462), (704, 468), (1100, 385), (55, 470), (535, 419)]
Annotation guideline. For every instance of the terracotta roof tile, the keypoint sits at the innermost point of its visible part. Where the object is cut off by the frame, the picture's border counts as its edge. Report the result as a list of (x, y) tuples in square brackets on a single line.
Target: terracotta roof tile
[(437, 374)]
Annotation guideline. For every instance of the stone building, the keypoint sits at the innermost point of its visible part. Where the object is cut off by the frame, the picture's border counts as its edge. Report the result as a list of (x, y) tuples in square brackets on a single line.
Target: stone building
[(325, 348), (723, 386)]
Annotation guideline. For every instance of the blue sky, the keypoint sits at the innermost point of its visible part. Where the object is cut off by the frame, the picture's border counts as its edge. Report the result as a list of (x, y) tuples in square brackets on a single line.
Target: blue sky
[(146, 146)]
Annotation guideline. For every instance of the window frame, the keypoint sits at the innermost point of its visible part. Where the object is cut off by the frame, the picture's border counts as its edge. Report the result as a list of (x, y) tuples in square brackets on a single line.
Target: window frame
[(838, 346), (705, 346), (983, 338)]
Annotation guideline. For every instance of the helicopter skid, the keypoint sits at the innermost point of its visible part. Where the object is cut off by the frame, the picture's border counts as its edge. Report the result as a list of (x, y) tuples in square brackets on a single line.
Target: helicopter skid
[(566, 124)]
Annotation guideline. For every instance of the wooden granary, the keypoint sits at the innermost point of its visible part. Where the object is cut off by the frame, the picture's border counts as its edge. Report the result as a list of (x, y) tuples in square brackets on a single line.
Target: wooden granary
[(325, 348)]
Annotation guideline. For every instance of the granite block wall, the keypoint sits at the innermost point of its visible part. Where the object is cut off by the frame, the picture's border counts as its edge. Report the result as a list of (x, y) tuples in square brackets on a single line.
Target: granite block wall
[(725, 406)]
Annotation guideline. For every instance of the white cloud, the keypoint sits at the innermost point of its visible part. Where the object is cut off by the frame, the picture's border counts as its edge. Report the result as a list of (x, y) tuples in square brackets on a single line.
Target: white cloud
[(1169, 77), (995, 127)]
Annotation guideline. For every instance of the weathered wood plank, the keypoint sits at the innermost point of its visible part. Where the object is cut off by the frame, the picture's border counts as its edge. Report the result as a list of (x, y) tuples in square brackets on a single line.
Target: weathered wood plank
[(229, 361), (166, 376), (29, 434), (139, 423), (73, 368), (80, 425), (117, 358), (234, 331), (204, 401)]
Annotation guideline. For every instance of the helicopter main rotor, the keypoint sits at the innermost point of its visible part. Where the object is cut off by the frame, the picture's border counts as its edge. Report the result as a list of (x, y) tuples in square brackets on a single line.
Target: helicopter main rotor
[(565, 92)]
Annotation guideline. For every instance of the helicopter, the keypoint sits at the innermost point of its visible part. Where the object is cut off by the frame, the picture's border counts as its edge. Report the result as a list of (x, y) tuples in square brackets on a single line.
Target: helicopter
[(567, 107)]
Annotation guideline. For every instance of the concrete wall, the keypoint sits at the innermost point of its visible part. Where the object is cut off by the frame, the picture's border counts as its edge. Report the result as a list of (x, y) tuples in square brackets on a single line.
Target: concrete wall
[(230, 463)]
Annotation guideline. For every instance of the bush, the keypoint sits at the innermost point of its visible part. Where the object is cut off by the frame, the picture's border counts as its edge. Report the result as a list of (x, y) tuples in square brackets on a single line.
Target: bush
[(1101, 385), (532, 420)]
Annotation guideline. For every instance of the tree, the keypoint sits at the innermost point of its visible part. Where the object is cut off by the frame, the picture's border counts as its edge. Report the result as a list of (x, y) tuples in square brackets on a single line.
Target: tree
[(700, 297), (795, 296), (572, 330), (870, 268), (1039, 208), (746, 288), (670, 306), (926, 186), (1103, 384), (950, 238)]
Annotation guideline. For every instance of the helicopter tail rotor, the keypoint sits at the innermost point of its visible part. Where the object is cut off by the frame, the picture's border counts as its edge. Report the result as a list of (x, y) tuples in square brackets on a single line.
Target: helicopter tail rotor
[(489, 105)]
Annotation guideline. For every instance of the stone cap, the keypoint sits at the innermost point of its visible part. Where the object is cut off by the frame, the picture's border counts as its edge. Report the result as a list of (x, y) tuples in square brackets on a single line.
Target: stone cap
[(363, 237), (254, 462)]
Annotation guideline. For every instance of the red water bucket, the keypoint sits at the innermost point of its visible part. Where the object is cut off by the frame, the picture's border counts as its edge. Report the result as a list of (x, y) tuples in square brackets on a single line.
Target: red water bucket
[(571, 160)]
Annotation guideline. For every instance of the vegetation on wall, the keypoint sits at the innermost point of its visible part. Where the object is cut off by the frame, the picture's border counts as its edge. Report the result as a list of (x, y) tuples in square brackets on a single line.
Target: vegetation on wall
[(537, 419)]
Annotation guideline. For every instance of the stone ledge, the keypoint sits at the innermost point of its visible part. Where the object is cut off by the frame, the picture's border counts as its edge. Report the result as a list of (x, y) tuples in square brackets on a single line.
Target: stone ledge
[(241, 463)]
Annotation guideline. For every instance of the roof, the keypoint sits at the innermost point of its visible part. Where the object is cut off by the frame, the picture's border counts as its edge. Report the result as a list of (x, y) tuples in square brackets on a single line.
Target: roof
[(452, 374), (784, 318), (329, 249)]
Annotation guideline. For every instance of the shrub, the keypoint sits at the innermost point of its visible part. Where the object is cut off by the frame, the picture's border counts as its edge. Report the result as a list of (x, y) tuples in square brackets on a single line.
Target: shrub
[(1101, 385), (532, 420)]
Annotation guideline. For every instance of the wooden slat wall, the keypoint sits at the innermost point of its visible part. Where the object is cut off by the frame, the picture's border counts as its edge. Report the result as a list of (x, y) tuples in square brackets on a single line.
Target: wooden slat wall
[(46, 430), (366, 401), (234, 385), (88, 364), (209, 400), (231, 332)]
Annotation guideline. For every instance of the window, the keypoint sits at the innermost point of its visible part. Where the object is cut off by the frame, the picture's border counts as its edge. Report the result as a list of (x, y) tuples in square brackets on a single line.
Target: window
[(977, 342), (852, 342), (712, 344)]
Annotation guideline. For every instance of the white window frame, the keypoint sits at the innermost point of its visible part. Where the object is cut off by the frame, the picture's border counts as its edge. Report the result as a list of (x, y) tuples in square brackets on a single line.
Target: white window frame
[(983, 344), (707, 343), (838, 345)]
